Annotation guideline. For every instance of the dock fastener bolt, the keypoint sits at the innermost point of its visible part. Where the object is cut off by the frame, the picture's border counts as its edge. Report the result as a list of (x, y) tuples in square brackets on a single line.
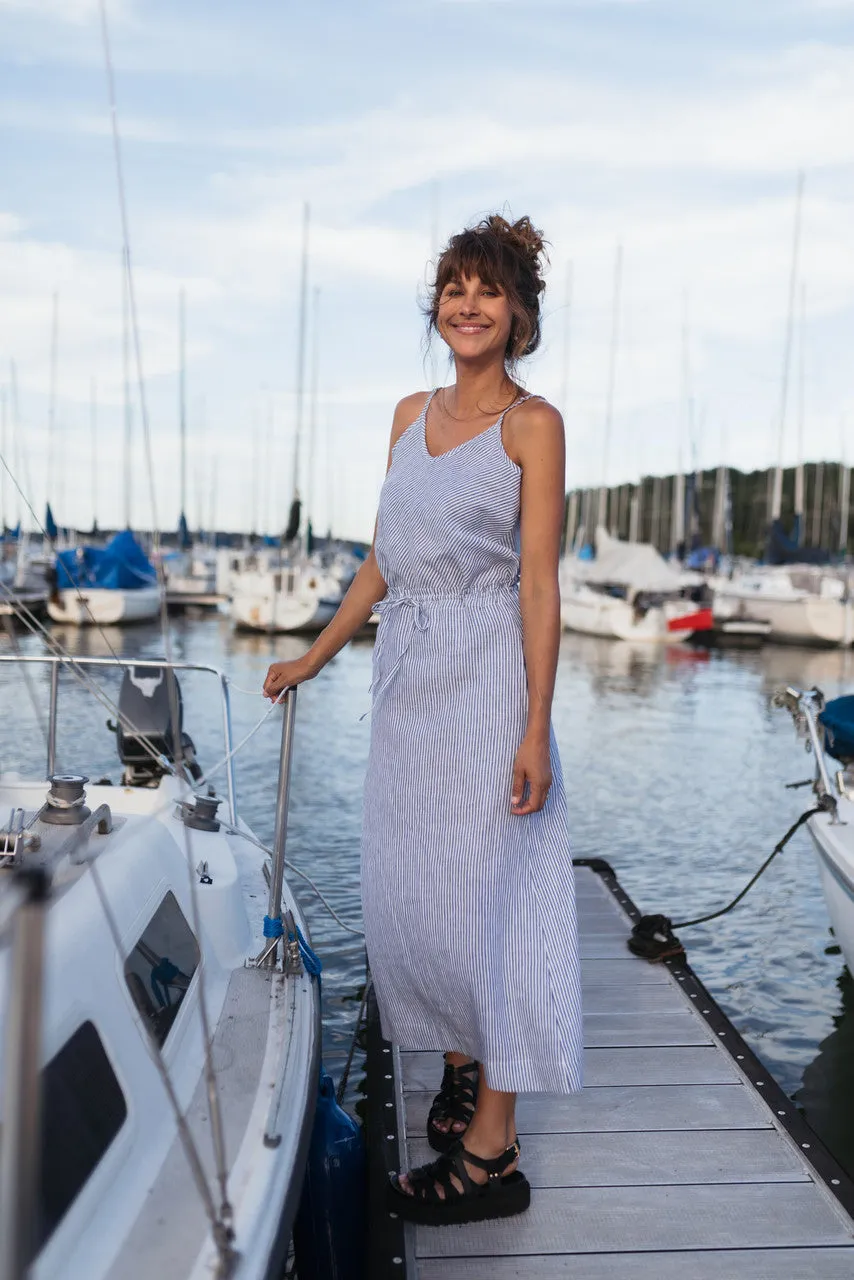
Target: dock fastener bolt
[(834, 1182), (397, 1260), (806, 1146), (389, 1104), (390, 1137)]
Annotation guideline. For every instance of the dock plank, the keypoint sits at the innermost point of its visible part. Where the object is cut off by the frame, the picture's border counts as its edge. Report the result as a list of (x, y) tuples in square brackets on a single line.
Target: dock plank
[(583, 1220), (623, 1109), (630, 1159), (724, 1264)]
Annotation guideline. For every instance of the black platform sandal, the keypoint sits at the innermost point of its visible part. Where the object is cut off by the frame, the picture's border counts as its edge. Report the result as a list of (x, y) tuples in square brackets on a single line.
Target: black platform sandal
[(501, 1196), (455, 1102)]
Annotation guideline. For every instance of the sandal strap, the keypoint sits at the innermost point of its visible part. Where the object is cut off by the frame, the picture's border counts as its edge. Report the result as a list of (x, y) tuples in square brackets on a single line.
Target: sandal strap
[(497, 1166), (457, 1096)]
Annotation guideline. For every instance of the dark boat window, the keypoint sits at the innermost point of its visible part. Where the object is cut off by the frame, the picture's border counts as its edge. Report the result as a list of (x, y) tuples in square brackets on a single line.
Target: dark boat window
[(84, 1108), (160, 968)]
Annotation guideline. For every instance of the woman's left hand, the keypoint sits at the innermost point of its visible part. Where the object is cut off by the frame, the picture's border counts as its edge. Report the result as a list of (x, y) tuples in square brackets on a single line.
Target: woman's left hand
[(532, 767)]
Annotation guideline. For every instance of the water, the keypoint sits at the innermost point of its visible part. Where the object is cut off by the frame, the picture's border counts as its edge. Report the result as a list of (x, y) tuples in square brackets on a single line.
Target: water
[(675, 765)]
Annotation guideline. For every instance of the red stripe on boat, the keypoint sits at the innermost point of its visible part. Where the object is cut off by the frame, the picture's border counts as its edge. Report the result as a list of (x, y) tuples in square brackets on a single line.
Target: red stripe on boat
[(702, 620)]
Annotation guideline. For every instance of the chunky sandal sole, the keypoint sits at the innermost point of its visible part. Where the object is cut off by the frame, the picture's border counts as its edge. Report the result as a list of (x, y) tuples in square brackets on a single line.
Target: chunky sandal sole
[(511, 1196)]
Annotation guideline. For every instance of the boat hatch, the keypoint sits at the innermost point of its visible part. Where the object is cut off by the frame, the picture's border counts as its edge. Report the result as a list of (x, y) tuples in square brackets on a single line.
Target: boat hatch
[(84, 1109), (160, 968), (149, 700)]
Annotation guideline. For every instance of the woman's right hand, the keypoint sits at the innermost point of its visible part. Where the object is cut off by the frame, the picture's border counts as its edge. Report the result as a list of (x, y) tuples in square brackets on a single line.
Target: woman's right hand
[(282, 675)]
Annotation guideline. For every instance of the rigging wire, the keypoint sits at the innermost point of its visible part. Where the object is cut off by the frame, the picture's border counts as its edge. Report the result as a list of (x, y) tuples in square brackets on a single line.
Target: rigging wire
[(212, 1089), (244, 835), (221, 1232)]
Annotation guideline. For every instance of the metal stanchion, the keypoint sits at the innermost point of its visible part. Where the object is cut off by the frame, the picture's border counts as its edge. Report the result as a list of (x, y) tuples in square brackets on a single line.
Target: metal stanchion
[(273, 927), (20, 1150)]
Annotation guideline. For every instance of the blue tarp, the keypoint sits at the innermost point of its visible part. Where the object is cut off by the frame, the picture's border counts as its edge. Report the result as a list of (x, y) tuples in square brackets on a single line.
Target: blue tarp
[(121, 565), (837, 720)]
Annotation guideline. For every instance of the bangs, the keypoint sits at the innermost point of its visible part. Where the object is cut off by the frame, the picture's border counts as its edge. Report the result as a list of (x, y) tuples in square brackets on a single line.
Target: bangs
[(470, 255)]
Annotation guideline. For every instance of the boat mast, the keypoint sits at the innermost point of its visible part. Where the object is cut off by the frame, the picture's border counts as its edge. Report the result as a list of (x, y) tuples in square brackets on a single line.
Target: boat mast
[(635, 512), (612, 376), (93, 435), (3, 426), (777, 494), (817, 500), (182, 400), (19, 455), (844, 495), (301, 345), (567, 342), (128, 409), (677, 521), (800, 515), (434, 254), (51, 408), (312, 415)]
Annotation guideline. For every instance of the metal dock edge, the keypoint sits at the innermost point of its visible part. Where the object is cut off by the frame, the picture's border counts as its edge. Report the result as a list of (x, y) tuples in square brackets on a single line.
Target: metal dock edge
[(682, 1157)]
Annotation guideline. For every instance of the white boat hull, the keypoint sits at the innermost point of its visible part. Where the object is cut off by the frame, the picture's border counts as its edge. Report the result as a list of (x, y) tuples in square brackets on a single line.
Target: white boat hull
[(102, 606), (284, 600), (834, 845), (595, 614), (804, 606)]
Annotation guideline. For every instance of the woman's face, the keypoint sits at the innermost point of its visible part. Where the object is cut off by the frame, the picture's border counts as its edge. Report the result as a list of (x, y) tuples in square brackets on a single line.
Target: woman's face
[(474, 319)]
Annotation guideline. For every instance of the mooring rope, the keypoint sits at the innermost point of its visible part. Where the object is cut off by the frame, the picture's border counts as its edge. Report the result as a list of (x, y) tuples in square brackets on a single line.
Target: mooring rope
[(654, 937)]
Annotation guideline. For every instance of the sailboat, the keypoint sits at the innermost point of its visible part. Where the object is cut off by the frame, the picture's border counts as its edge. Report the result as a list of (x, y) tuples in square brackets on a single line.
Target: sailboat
[(630, 592), (291, 589), (170, 1028), (191, 570), (114, 584)]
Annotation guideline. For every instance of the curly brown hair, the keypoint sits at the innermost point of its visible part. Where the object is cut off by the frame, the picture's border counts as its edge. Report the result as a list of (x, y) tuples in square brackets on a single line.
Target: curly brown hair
[(506, 255)]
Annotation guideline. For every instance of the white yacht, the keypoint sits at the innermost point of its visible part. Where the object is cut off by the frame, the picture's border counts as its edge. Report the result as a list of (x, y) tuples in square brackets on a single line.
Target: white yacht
[(300, 595), (804, 605), (630, 592), (158, 999)]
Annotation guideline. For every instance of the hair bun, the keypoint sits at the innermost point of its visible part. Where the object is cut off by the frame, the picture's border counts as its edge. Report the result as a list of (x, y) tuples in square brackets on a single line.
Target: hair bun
[(522, 235)]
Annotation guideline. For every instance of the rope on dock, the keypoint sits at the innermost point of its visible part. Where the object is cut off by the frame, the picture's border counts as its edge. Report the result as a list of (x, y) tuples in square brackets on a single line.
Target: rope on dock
[(653, 936)]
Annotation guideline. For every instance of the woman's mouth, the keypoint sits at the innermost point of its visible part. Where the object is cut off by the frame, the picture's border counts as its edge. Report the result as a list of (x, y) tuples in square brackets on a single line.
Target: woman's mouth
[(471, 328)]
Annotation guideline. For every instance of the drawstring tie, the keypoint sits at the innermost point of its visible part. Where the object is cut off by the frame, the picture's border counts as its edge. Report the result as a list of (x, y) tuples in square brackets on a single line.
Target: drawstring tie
[(419, 622)]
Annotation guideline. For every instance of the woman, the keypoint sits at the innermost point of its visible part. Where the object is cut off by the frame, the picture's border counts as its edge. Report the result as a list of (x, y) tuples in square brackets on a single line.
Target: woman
[(466, 873)]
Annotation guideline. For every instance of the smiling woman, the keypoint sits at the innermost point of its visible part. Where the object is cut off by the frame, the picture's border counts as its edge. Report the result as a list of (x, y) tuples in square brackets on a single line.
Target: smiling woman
[(467, 881)]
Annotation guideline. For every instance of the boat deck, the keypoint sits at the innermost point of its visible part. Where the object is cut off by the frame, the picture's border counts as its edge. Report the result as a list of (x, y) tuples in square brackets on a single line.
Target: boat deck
[(681, 1158)]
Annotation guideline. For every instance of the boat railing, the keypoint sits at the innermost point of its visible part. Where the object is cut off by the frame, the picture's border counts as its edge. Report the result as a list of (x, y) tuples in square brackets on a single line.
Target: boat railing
[(56, 661), (804, 705)]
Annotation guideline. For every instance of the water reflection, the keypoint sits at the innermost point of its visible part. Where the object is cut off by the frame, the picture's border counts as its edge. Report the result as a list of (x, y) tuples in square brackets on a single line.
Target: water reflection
[(825, 1095)]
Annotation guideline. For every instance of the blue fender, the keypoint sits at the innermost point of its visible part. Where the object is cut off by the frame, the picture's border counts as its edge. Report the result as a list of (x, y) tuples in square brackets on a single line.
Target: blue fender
[(330, 1227)]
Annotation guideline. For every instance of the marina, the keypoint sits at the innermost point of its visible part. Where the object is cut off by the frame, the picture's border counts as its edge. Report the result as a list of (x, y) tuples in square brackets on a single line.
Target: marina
[(674, 724), (310, 729)]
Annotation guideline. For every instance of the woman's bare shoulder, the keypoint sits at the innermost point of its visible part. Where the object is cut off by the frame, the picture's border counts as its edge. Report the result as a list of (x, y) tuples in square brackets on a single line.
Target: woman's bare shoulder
[(534, 424), (406, 412)]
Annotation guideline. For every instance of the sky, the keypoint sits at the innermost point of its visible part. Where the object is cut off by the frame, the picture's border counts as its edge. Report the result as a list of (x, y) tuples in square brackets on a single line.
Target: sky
[(674, 129)]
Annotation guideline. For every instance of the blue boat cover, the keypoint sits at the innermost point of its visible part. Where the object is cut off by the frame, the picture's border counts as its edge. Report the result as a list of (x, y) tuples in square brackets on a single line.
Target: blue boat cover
[(837, 720), (120, 565)]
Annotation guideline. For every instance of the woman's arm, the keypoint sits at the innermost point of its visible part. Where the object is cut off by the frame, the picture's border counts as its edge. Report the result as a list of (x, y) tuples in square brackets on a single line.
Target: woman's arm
[(367, 587), (536, 444)]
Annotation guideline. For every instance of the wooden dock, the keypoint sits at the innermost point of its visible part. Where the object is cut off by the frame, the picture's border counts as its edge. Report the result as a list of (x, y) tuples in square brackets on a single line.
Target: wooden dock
[(681, 1160)]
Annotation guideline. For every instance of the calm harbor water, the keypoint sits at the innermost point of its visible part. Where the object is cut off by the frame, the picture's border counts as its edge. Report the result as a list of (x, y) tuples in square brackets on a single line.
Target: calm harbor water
[(675, 765)]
